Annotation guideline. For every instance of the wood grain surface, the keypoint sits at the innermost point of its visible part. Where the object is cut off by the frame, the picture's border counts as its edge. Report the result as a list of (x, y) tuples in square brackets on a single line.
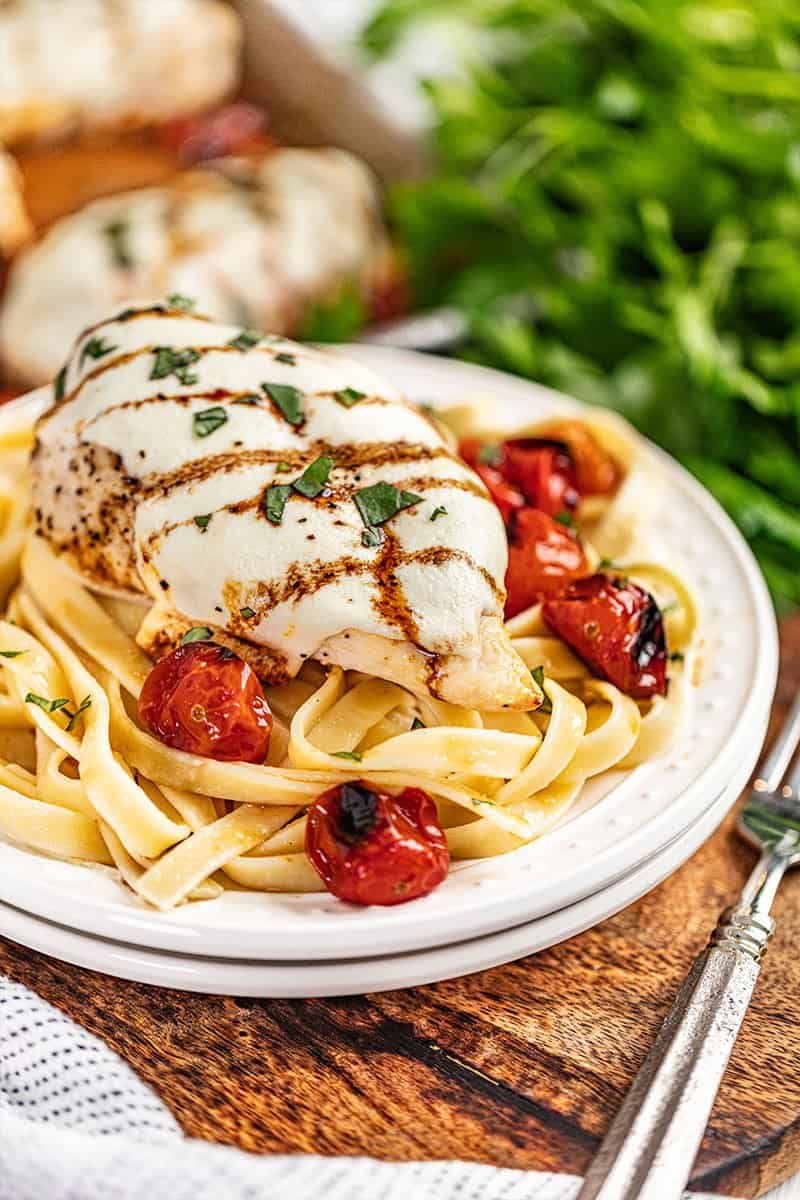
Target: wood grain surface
[(520, 1066)]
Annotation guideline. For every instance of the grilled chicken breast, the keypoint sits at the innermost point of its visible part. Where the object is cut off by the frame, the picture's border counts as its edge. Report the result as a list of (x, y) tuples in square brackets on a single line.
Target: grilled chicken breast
[(281, 495), (254, 241), (111, 63)]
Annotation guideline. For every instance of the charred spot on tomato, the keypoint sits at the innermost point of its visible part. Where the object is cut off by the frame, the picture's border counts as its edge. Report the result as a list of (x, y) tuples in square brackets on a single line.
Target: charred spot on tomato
[(617, 628), (358, 811)]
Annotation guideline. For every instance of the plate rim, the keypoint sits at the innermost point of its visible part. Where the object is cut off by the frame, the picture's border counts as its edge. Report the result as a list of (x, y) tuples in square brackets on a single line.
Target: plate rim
[(155, 930)]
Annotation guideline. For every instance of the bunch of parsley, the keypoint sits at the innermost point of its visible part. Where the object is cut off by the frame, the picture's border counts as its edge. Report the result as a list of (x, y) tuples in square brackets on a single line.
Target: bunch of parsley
[(616, 207)]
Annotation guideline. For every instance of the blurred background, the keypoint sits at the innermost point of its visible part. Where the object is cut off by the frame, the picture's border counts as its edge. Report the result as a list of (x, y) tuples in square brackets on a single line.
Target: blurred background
[(602, 195)]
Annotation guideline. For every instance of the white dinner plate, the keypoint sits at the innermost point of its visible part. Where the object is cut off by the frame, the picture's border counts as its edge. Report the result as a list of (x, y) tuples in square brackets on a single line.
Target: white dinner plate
[(622, 820), (297, 980)]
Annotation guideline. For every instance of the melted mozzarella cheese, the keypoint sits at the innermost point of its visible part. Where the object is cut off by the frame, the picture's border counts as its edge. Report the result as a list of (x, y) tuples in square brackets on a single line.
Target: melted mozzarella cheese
[(122, 472), (253, 241)]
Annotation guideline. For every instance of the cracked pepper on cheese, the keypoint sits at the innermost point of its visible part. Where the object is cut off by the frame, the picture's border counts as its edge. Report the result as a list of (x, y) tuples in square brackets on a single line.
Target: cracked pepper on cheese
[(283, 496)]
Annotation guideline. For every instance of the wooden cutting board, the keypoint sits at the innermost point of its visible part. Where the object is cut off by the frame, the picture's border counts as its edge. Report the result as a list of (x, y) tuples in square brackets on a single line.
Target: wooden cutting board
[(521, 1066)]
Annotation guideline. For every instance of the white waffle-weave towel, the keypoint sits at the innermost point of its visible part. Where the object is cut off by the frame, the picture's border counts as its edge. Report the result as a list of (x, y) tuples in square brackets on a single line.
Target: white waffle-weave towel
[(77, 1124)]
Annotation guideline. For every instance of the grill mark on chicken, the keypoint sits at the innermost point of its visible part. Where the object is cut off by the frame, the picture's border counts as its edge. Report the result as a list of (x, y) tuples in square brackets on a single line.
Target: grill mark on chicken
[(329, 498), (351, 456), (301, 580)]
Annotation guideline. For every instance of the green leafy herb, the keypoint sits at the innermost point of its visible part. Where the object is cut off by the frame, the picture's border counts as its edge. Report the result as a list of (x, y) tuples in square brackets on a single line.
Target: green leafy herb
[(184, 303), (209, 420), (96, 347), (565, 518), (248, 399), (314, 478), (117, 233), (348, 396), (614, 210), (203, 521), (371, 536), (438, 512), (246, 339), (417, 724), (288, 399), (198, 633), (607, 564), (49, 706), (351, 754), (169, 361), (60, 384), (85, 703), (282, 467), (275, 499), (489, 454), (247, 612), (676, 656), (547, 705), (382, 501), (284, 357), (11, 653)]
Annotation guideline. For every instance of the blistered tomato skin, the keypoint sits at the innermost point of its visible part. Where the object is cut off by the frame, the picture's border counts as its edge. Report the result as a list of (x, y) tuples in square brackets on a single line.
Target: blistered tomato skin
[(206, 700), (233, 129), (596, 472), (543, 557), (506, 496), (617, 628), (544, 472), (372, 848)]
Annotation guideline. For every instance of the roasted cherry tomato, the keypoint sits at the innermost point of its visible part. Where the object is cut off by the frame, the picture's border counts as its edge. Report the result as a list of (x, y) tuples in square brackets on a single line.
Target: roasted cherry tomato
[(506, 496), (544, 472), (372, 848), (205, 699), (233, 129), (617, 628), (543, 556), (596, 472)]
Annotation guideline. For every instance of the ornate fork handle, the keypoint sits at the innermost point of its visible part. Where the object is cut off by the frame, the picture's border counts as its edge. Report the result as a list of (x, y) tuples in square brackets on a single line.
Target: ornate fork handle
[(651, 1145)]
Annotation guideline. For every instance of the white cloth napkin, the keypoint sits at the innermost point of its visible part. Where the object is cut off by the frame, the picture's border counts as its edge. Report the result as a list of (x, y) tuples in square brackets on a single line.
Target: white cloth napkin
[(77, 1124)]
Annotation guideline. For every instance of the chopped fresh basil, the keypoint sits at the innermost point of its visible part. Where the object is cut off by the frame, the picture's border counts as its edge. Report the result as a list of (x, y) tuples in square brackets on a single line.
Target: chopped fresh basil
[(60, 384), (48, 705), (170, 361), (668, 608), (184, 303), (676, 656), (198, 633), (438, 512), (288, 359), (275, 499), (247, 612), (489, 454), (565, 518), (282, 467), (606, 564), (351, 754), (288, 399), (203, 522), (96, 347), (85, 703), (547, 705), (246, 339), (11, 653), (314, 478), (382, 501), (210, 419), (417, 724), (371, 536), (248, 399), (117, 233), (348, 396)]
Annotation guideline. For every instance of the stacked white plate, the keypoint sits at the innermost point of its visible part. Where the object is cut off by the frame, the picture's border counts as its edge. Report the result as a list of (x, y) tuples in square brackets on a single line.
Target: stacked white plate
[(629, 831)]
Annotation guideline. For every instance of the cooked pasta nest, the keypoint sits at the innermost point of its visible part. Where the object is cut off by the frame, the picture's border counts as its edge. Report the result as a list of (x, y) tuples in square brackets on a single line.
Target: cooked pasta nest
[(99, 789)]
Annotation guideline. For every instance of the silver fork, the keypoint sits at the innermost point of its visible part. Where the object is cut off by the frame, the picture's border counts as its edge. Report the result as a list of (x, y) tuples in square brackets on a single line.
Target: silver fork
[(648, 1152)]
